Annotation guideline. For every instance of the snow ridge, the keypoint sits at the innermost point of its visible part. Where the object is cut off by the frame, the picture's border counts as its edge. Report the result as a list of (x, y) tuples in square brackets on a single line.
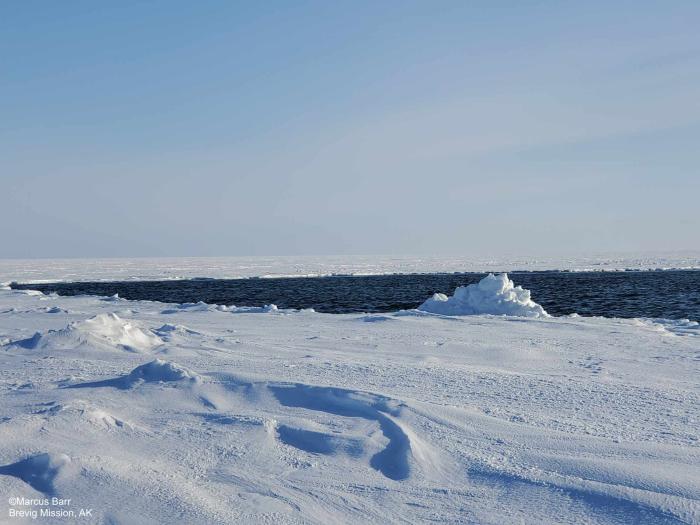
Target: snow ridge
[(103, 331)]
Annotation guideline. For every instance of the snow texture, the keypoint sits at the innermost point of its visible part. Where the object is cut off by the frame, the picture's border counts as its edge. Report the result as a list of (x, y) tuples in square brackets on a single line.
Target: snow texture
[(201, 416), (39, 471), (159, 370), (103, 331)]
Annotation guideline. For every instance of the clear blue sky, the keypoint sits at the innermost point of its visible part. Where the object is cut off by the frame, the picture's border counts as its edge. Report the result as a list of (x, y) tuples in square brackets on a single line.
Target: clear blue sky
[(242, 128)]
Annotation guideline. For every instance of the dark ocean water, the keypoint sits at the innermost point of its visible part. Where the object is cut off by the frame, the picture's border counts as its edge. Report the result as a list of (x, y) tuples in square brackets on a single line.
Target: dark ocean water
[(669, 294)]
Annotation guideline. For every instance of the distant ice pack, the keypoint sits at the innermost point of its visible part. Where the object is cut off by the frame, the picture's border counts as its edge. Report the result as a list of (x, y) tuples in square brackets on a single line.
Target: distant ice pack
[(494, 294)]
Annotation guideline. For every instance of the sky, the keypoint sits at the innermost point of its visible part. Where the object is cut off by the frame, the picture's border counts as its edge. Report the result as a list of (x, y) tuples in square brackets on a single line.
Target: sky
[(178, 128)]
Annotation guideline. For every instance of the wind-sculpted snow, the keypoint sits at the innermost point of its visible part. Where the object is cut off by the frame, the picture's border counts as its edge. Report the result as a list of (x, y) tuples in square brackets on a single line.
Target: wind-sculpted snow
[(319, 442), (80, 411), (38, 471), (494, 294), (393, 460), (103, 331), (175, 333), (169, 329), (156, 371), (159, 370), (299, 417)]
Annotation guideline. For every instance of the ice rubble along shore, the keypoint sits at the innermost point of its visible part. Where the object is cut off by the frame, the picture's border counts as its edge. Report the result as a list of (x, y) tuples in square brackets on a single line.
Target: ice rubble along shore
[(494, 294)]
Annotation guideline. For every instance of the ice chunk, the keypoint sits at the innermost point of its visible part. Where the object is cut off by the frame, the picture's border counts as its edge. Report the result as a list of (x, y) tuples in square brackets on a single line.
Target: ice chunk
[(494, 294)]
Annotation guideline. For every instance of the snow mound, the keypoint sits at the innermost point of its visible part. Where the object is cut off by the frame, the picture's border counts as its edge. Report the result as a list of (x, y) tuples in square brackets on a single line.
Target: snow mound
[(158, 371), (104, 419), (88, 412), (100, 331), (494, 294), (40, 471), (168, 328)]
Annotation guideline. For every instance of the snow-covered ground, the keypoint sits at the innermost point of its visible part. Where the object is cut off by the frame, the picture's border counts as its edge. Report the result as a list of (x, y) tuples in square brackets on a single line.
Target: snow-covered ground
[(41, 270), (159, 413)]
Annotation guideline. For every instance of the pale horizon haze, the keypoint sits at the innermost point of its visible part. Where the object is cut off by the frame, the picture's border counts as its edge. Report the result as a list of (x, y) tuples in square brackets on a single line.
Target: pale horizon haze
[(156, 128)]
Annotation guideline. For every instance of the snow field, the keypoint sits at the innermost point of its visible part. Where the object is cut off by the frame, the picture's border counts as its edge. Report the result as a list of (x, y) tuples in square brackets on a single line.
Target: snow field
[(153, 413)]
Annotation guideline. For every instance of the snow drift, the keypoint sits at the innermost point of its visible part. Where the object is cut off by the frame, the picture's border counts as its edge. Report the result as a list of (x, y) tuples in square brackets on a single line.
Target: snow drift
[(350, 418), (160, 371), (79, 410), (156, 371), (40, 471), (494, 294), (100, 331)]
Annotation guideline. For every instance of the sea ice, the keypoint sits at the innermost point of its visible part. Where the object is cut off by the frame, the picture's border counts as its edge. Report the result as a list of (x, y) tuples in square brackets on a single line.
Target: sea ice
[(494, 294)]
